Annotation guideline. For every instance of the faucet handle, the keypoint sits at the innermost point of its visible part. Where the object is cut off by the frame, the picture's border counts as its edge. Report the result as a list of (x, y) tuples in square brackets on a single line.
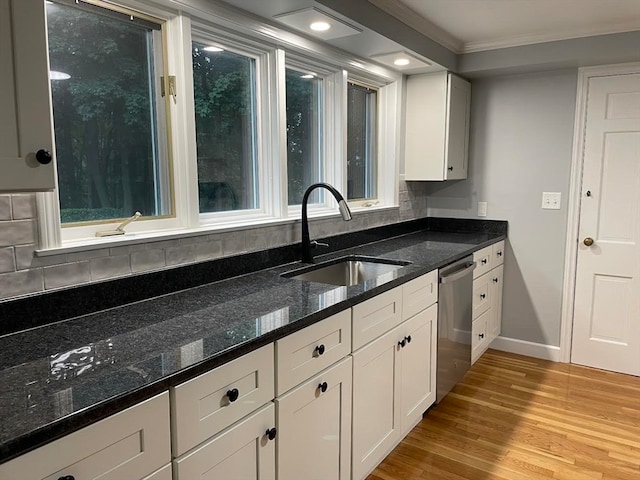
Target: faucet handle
[(315, 243)]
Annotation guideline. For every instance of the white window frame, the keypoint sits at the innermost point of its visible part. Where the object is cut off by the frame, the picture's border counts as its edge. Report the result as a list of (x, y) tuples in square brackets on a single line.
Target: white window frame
[(52, 232), (275, 49)]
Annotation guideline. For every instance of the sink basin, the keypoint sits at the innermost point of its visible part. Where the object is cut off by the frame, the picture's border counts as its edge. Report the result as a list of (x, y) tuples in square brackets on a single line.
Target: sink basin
[(347, 271)]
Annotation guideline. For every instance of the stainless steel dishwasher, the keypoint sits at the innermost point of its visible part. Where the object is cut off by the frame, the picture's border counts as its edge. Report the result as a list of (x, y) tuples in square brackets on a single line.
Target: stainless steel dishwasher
[(455, 298)]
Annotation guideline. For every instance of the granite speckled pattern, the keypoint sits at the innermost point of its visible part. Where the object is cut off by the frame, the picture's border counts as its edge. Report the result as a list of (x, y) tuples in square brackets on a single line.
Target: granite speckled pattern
[(58, 378)]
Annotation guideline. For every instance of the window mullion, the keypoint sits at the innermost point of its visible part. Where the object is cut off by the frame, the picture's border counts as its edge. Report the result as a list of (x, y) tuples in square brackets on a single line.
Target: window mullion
[(277, 133)]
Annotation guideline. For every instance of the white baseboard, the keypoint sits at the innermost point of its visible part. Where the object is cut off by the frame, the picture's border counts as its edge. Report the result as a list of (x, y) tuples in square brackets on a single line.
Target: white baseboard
[(521, 347)]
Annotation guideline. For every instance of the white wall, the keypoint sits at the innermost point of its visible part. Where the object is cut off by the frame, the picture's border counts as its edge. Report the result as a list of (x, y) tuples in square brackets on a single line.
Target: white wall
[(521, 141)]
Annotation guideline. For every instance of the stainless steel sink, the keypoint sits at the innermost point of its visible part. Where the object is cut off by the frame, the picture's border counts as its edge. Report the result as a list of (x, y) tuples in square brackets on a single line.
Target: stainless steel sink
[(347, 271)]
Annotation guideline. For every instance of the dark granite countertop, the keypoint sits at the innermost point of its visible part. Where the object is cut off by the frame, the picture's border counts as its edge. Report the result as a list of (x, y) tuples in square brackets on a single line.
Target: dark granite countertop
[(62, 376)]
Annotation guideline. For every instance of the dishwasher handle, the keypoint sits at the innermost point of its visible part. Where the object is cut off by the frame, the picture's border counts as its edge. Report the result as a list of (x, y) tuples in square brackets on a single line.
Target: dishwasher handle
[(458, 274)]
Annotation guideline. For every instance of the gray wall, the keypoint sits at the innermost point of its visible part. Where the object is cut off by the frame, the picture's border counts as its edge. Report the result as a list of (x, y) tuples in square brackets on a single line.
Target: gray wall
[(521, 145)]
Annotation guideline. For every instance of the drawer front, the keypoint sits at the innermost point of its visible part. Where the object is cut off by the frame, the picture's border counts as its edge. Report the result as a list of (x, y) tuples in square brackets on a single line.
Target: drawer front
[(207, 404), (130, 444), (419, 294), (479, 339), (163, 474), (376, 316), (481, 295), (242, 451), (305, 353), (483, 261), (497, 254)]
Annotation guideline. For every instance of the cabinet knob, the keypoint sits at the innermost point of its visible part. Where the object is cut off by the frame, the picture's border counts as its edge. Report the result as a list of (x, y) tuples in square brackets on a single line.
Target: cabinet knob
[(588, 241), (450, 169), (499, 254), (271, 433), (67, 477), (319, 349), (484, 261), (483, 295), (588, 194), (495, 280), (323, 387), (233, 394), (408, 338), (402, 343), (44, 157), (481, 335)]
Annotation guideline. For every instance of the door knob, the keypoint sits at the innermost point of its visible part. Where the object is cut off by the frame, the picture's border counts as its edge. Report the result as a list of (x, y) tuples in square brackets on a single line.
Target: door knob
[(588, 241)]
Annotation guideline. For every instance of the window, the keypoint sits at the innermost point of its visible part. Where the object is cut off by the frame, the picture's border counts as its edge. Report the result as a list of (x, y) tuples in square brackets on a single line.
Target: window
[(109, 124), (224, 96), (362, 172), (304, 135)]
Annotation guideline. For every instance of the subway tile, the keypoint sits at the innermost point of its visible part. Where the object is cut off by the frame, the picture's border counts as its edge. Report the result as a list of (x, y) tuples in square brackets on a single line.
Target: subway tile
[(87, 255), (147, 260), (7, 260), (26, 259), (18, 232), (110, 267), (21, 283), (208, 250), (233, 242), (181, 254), (127, 249), (255, 240), (5, 207), (24, 206), (66, 275)]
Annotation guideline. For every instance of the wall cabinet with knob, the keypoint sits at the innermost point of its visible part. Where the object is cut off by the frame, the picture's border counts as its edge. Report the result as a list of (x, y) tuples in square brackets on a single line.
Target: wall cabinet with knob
[(437, 127), (487, 298), (394, 374), (26, 135), (133, 444)]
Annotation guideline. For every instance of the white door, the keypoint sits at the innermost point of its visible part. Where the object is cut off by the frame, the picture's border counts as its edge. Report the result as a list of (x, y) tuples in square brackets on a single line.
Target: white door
[(606, 325)]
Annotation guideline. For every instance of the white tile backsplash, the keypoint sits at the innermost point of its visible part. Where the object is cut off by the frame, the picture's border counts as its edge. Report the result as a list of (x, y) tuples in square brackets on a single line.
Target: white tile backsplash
[(7, 260), (23, 206), (21, 282), (148, 260), (110, 267), (17, 232), (66, 275)]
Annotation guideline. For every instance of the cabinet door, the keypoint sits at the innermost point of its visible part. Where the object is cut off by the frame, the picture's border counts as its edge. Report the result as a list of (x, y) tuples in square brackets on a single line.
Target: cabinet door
[(209, 403), (481, 295), (496, 301), (128, 445), (483, 261), (312, 349), (375, 316), (418, 366), (457, 133), (314, 427), (418, 294), (25, 105), (242, 452), (479, 335), (376, 413)]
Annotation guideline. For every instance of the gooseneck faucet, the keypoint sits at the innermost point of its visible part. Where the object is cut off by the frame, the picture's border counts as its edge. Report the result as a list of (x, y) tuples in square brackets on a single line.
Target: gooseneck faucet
[(306, 256)]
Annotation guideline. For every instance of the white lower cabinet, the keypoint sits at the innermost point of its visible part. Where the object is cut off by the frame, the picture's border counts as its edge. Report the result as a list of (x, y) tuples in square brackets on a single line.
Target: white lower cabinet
[(376, 388), (495, 323), (244, 451), (128, 445), (314, 427), (394, 383), (418, 367)]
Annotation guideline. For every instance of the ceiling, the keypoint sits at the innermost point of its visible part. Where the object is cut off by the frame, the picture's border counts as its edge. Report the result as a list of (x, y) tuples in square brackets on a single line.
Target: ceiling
[(475, 25), (460, 26)]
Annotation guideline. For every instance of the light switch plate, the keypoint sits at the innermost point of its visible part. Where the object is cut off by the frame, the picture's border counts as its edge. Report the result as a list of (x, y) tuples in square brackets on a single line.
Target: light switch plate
[(551, 200), (482, 209)]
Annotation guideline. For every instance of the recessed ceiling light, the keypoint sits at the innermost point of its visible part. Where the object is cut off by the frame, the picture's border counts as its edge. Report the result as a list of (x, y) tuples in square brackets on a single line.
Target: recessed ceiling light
[(55, 75), (213, 48), (320, 26), (318, 23), (307, 75), (402, 61)]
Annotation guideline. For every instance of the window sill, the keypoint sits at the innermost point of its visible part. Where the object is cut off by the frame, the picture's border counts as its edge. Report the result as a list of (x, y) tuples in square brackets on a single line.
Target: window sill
[(136, 238)]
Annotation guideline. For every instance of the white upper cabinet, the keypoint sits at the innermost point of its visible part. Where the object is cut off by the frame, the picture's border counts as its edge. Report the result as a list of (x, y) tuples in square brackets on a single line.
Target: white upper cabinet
[(26, 131), (437, 127)]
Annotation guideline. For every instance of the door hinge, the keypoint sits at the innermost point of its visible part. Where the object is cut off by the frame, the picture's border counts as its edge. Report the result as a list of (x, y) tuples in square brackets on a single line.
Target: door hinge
[(171, 82)]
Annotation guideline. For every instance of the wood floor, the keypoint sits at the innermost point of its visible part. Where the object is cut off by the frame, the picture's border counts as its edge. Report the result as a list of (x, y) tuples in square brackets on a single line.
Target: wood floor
[(520, 418)]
